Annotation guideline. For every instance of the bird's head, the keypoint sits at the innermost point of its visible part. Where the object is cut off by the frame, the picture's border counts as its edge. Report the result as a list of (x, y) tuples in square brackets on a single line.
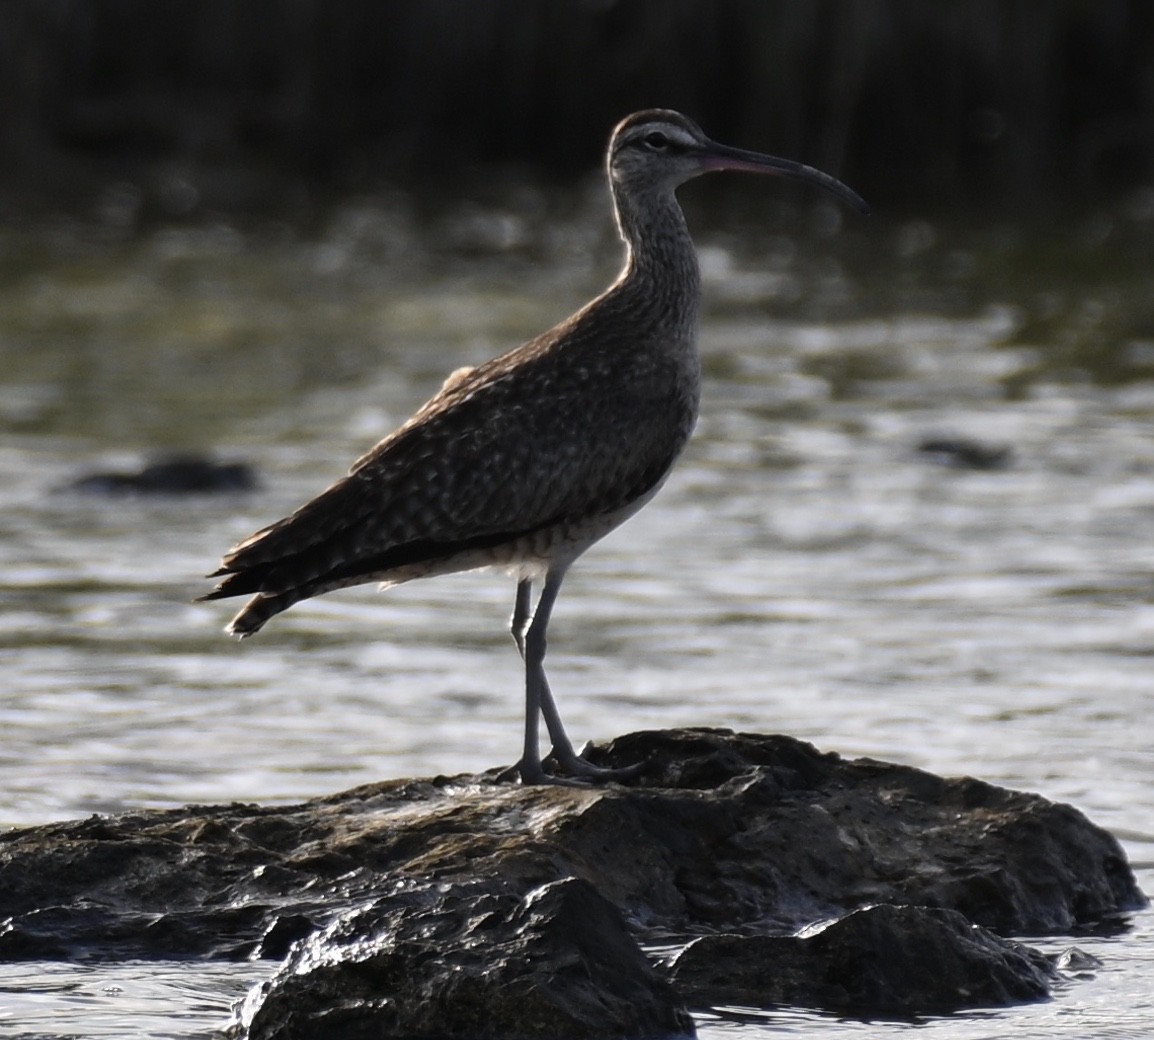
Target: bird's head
[(658, 149)]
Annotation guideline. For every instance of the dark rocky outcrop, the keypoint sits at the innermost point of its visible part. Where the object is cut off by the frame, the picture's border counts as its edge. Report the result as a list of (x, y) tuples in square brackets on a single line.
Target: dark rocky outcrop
[(494, 891), (557, 961)]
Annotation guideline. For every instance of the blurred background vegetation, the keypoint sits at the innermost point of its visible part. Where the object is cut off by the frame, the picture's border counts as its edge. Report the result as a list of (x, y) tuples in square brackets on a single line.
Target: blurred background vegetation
[(238, 106)]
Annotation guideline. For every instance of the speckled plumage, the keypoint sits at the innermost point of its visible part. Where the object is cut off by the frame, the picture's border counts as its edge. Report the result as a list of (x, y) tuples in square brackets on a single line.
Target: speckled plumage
[(525, 461)]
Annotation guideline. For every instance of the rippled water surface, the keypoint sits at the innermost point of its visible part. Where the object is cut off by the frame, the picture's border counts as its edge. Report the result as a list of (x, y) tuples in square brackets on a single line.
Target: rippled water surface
[(807, 570)]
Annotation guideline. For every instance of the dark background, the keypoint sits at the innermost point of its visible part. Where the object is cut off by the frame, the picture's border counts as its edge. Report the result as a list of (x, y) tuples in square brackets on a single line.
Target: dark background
[(1002, 106)]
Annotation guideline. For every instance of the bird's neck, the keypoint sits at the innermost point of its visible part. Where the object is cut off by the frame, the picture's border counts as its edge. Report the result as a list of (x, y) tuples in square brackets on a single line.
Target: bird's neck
[(660, 263)]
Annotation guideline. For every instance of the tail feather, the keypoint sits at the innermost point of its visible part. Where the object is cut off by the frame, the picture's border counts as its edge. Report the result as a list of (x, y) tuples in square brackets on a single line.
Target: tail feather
[(258, 610), (237, 583), (277, 586)]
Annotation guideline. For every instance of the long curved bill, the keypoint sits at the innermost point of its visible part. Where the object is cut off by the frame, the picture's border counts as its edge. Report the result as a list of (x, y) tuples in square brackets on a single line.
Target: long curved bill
[(716, 156)]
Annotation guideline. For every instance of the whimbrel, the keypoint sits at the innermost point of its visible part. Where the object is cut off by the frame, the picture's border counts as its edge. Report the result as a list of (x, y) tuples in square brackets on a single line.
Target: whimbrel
[(525, 461)]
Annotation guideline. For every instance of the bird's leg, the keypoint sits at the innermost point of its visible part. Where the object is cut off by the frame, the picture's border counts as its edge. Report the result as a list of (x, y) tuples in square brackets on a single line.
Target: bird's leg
[(529, 767), (531, 642), (521, 614), (529, 635), (562, 745), (536, 682)]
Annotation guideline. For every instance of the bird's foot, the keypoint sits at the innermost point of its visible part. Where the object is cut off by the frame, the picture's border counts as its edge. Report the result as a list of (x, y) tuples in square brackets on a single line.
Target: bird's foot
[(572, 770), (533, 775), (575, 763)]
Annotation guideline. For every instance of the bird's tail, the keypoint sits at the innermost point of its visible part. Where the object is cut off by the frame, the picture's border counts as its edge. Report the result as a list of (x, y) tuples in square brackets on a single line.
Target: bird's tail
[(260, 607), (258, 610)]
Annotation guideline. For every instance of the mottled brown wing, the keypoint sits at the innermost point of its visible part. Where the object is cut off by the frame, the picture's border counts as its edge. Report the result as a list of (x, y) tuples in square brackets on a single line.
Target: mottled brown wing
[(509, 448)]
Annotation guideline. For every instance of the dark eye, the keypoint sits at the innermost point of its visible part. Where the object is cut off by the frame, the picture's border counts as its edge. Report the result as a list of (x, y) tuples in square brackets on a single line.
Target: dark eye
[(657, 141)]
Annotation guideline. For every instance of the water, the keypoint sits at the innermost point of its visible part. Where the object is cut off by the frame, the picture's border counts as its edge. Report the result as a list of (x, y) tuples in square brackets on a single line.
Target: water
[(145, 1000), (806, 570)]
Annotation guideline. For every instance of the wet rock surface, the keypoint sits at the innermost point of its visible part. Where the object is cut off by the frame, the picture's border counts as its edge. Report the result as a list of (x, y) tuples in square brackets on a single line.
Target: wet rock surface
[(557, 961), (891, 960), (445, 882)]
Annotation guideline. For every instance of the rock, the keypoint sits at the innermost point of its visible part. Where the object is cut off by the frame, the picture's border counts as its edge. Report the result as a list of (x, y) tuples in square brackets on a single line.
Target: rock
[(780, 835), (176, 475), (887, 960), (1077, 962), (472, 960), (749, 835), (963, 453)]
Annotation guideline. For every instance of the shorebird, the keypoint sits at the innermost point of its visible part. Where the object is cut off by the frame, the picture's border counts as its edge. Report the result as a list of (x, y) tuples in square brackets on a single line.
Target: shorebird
[(527, 460)]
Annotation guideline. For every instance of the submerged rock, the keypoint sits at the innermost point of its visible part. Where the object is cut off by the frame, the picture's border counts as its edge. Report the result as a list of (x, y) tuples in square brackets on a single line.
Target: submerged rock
[(748, 835), (173, 475), (891, 960), (964, 453)]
